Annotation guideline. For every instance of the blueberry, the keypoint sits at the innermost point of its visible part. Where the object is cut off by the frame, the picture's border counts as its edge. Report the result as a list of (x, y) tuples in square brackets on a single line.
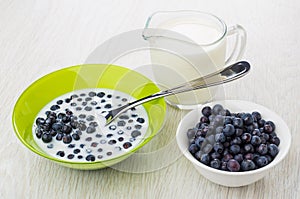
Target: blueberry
[(218, 147), (220, 137), (204, 119), (82, 126), (67, 100), (249, 156), (92, 94), (233, 165), (255, 140), (228, 120), (261, 123), (219, 129), (111, 142), (59, 136), (67, 139), (53, 133), (90, 129), (59, 102), (57, 126), (256, 116), (211, 139), (193, 148), (217, 109), (206, 111), (215, 163), (50, 120), (225, 112), (205, 159), (246, 137), (275, 140), (121, 123), (100, 94), (94, 124), (224, 166), (256, 132), (198, 155), (126, 145), (211, 118), (265, 136), (90, 158), (40, 121), (247, 165), (51, 114), (66, 129), (140, 120), (239, 157), (38, 133), (207, 148), (236, 140), (71, 145), (269, 127), (198, 141), (76, 151), (46, 137), (54, 107), (261, 161), (124, 117), (235, 149), (250, 128), (60, 115), (201, 132), (247, 118), (229, 130), (215, 155), (65, 119), (74, 124), (262, 149), (227, 157), (60, 153), (107, 106), (135, 133), (219, 120), (226, 144), (75, 136), (191, 133), (273, 150), (88, 108), (248, 148), (237, 122), (238, 132)]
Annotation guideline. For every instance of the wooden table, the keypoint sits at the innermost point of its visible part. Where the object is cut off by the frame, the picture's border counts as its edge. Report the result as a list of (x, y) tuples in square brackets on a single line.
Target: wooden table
[(37, 37)]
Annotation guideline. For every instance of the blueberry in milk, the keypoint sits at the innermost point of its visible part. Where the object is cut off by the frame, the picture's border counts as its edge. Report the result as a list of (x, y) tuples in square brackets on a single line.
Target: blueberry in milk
[(72, 128)]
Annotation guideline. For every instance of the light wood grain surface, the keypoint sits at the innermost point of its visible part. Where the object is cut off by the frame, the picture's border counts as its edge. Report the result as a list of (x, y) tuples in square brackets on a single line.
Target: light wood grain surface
[(37, 37)]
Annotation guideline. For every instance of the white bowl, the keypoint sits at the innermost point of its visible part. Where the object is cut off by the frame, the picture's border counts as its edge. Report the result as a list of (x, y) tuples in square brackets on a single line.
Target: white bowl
[(226, 178)]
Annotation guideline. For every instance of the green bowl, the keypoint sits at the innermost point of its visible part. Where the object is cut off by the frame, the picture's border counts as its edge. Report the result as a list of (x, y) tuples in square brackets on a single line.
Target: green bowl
[(55, 84)]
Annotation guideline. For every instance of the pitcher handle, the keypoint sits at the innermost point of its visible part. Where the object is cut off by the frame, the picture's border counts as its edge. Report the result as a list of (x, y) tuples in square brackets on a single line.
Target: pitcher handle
[(240, 42)]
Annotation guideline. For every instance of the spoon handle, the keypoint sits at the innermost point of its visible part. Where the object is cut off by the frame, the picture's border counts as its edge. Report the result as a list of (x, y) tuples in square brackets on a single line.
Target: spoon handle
[(222, 76)]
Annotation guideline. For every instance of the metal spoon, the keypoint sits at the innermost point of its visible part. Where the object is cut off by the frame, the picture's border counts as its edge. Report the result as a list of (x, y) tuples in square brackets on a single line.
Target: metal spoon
[(222, 76)]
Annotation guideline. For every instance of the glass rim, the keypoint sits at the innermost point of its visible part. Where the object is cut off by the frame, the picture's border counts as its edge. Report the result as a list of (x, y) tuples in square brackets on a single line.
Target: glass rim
[(221, 23)]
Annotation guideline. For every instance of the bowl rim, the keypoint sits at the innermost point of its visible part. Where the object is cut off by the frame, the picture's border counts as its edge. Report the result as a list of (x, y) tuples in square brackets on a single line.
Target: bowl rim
[(106, 162), (189, 156)]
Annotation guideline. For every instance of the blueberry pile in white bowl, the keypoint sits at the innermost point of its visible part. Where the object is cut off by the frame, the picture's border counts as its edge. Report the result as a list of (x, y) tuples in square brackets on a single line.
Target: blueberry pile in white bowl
[(233, 142)]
